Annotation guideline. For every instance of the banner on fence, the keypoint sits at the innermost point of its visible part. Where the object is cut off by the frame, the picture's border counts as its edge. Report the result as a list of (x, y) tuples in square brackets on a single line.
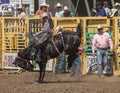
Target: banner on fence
[(8, 60), (91, 65)]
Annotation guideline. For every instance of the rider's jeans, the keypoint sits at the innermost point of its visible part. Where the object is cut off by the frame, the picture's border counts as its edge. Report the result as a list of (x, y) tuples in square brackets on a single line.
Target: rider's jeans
[(102, 56)]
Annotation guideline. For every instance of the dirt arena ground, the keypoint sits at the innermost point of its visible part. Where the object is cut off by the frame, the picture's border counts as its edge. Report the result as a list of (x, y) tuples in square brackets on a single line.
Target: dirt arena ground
[(11, 82)]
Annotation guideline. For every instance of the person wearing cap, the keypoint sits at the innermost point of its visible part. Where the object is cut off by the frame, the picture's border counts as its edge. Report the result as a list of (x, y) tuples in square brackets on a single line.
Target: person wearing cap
[(59, 29), (47, 24), (44, 34), (99, 9), (67, 12), (115, 11), (61, 58), (100, 43), (59, 11), (43, 9), (106, 7)]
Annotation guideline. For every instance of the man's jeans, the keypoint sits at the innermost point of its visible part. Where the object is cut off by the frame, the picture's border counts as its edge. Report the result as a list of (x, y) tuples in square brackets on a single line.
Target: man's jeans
[(102, 56), (59, 63), (76, 66)]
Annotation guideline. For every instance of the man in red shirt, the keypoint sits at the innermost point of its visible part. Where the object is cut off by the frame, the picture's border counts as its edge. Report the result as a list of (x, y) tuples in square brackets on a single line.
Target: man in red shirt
[(43, 9)]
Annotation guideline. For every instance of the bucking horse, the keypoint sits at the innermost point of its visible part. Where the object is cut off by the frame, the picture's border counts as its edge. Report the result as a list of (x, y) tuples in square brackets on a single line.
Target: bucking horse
[(67, 41)]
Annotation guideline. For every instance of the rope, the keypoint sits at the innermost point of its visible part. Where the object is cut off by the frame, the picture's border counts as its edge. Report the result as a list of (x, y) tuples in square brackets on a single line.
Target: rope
[(55, 47), (24, 60), (63, 41)]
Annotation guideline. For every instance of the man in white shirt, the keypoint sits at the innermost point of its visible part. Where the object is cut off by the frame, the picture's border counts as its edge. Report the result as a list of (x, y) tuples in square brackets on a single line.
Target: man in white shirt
[(59, 11)]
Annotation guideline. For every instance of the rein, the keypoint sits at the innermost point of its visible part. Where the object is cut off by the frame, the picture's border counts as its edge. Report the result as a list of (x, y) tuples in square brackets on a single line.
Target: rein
[(24, 60)]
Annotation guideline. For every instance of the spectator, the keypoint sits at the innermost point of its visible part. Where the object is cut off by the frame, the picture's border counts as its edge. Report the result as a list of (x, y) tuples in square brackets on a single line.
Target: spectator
[(67, 12), (5, 9), (101, 41), (106, 7), (99, 9), (115, 11), (93, 12), (43, 9), (21, 13), (61, 58), (59, 11)]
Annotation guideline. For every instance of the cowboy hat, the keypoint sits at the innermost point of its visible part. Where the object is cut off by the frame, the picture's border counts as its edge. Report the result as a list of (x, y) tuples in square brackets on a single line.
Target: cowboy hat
[(44, 4), (58, 28), (65, 8), (58, 5), (117, 4), (99, 27)]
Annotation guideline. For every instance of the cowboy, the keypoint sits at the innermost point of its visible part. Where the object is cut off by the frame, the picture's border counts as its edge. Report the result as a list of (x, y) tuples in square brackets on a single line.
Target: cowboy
[(43, 9), (47, 26), (59, 11), (67, 12), (59, 29), (115, 11), (101, 41), (100, 11), (61, 58), (40, 37)]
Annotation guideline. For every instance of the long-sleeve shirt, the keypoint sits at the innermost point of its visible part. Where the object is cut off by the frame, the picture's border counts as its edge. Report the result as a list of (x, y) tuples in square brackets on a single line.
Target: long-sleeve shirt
[(102, 41), (58, 13), (100, 12)]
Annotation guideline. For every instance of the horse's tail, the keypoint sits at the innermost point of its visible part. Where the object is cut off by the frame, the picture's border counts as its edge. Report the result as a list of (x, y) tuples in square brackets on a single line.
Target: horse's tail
[(79, 30)]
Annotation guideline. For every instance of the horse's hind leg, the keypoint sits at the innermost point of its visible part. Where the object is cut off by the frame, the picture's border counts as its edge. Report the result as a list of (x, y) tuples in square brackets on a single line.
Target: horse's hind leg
[(42, 66)]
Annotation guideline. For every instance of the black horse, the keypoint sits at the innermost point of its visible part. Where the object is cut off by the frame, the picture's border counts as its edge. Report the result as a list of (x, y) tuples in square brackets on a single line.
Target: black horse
[(67, 41)]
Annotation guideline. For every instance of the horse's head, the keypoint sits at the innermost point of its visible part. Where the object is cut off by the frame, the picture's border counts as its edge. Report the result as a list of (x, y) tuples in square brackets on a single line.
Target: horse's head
[(23, 64)]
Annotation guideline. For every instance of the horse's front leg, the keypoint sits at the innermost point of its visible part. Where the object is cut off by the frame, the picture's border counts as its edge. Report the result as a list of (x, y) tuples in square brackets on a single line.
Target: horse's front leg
[(42, 66)]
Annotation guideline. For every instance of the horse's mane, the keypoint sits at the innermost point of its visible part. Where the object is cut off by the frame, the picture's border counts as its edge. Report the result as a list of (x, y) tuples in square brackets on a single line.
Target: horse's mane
[(68, 32)]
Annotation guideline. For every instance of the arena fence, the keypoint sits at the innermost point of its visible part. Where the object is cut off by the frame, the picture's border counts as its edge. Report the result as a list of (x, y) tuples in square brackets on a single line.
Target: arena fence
[(13, 38), (116, 38)]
